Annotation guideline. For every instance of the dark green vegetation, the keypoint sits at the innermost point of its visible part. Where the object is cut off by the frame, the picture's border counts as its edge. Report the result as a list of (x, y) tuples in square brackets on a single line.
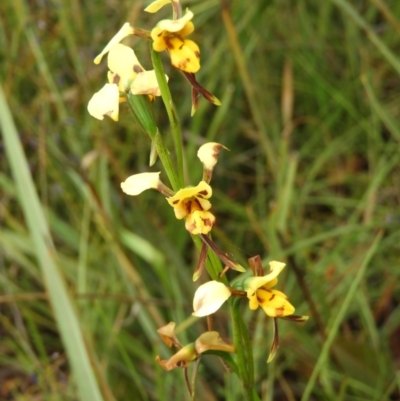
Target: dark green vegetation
[(310, 110)]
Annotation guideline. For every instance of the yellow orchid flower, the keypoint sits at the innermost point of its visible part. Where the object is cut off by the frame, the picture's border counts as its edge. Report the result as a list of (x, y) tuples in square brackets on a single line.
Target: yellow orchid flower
[(209, 297), (169, 35), (126, 74), (273, 302), (192, 203)]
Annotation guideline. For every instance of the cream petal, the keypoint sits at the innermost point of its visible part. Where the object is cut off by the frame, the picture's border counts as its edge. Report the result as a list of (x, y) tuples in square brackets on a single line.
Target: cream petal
[(137, 183), (208, 154), (123, 62), (146, 83), (209, 297), (126, 30), (105, 102), (156, 5), (176, 25)]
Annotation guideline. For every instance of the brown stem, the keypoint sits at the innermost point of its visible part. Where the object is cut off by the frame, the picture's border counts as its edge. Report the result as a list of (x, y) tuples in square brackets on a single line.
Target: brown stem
[(223, 256), (186, 375)]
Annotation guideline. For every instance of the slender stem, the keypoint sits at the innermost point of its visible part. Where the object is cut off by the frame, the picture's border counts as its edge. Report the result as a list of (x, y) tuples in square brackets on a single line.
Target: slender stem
[(188, 386), (166, 161), (169, 106), (243, 349), (142, 109), (195, 375)]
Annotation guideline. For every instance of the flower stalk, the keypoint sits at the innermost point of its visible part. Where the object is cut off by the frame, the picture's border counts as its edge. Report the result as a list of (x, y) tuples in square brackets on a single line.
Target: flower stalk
[(171, 112)]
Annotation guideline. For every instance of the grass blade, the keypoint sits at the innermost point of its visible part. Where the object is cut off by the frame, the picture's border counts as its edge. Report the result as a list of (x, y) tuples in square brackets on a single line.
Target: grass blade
[(64, 312)]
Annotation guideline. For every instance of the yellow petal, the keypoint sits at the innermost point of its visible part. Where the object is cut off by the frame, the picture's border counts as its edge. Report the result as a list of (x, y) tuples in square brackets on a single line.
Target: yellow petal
[(146, 83), (202, 191), (176, 25), (156, 5), (105, 102), (253, 302), (125, 31), (209, 297), (123, 62), (252, 284), (137, 183), (187, 29), (274, 304), (159, 43), (208, 154), (199, 222), (185, 54)]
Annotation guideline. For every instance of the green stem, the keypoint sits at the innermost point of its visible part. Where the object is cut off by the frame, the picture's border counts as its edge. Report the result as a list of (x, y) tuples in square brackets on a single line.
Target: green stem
[(141, 108), (243, 349), (169, 106)]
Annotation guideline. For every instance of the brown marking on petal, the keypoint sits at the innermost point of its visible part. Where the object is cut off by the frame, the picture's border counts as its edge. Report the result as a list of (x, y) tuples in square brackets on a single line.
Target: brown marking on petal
[(279, 311), (137, 68), (181, 46), (197, 53), (208, 222), (169, 44), (116, 79), (175, 201), (188, 206), (202, 193), (181, 65), (272, 297)]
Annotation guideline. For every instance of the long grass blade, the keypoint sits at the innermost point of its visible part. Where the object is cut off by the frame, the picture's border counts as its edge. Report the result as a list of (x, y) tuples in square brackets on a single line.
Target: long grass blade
[(64, 312)]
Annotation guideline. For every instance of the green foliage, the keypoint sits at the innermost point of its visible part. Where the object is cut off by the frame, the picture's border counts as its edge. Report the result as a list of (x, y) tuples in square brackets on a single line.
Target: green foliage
[(310, 111)]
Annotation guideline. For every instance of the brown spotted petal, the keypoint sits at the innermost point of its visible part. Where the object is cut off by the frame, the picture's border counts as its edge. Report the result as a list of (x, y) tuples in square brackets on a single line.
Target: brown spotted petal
[(274, 303), (199, 222), (123, 63), (182, 200)]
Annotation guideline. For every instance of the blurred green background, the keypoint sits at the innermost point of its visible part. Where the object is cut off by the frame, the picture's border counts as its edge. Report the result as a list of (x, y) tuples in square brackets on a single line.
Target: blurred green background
[(310, 112)]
